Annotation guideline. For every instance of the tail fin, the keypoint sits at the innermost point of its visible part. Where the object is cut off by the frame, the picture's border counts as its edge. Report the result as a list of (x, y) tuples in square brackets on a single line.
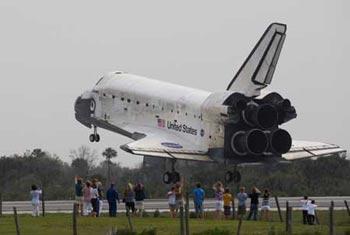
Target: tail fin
[(257, 70)]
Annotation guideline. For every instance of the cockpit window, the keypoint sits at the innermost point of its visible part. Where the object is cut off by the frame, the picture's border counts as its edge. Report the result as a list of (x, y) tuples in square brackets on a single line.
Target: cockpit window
[(99, 81)]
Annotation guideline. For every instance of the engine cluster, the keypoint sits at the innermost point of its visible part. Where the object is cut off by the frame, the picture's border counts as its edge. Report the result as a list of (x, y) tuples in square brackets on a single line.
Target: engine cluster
[(253, 129)]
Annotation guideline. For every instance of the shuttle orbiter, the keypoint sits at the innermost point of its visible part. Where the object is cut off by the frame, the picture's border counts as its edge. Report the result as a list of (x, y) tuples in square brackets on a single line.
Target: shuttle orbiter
[(238, 125)]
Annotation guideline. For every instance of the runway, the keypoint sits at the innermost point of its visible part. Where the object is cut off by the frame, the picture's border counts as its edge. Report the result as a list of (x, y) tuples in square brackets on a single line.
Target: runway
[(162, 204)]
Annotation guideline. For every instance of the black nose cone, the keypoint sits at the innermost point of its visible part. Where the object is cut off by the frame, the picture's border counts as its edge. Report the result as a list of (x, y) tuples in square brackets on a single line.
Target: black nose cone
[(82, 111)]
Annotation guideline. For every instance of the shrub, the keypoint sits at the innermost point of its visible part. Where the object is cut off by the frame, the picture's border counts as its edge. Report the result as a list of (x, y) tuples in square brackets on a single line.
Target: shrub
[(156, 213), (215, 231)]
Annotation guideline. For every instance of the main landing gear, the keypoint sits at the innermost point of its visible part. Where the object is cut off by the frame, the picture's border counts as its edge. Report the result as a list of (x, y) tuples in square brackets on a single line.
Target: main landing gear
[(173, 176), (94, 137), (234, 176)]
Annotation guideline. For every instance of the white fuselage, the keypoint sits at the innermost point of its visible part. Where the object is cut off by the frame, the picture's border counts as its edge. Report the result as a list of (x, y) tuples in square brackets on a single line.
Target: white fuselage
[(133, 102)]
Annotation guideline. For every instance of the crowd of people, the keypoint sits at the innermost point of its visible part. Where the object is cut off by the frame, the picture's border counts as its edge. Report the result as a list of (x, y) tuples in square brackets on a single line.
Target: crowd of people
[(89, 196)]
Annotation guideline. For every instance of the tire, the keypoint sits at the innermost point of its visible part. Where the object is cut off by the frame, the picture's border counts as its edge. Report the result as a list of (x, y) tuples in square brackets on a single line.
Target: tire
[(167, 178), (237, 177), (228, 177), (97, 137), (92, 138), (175, 177)]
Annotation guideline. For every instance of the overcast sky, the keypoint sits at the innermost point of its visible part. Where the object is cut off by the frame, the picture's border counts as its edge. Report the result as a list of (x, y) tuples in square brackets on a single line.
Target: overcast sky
[(51, 51)]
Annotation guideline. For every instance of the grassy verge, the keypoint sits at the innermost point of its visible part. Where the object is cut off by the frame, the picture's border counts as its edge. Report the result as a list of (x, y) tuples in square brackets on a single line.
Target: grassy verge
[(61, 224)]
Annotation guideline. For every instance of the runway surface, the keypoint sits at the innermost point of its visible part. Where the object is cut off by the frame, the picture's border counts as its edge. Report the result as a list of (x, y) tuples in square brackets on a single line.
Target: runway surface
[(162, 204)]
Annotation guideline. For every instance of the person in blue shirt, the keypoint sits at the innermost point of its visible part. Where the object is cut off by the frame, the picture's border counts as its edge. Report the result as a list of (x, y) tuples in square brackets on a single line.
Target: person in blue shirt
[(198, 198), (112, 198)]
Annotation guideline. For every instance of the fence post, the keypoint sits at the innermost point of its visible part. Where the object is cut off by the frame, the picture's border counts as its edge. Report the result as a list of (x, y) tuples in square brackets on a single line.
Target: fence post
[(187, 214), (233, 208), (127, 212), (331, 221), (0, 204), (289, 223), (43, 202), (239, 226), (287, 215), (182, 226), (16, 220), (278, 208), (316, 218), (347, 207), (75, 211)]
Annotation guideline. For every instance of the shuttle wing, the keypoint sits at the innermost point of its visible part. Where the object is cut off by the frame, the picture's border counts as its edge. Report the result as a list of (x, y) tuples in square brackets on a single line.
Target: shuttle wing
[(306, 149), (158, 143)]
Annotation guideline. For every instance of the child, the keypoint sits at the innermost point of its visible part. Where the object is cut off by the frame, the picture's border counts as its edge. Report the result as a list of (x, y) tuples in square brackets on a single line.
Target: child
[(265, 205), (35, 193), (219, 189), (172, 202), (227, 197), (311, 212), (304, 207)]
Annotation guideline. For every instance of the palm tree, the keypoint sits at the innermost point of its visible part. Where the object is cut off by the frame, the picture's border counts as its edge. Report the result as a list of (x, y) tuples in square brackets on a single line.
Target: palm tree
[(109, 153)]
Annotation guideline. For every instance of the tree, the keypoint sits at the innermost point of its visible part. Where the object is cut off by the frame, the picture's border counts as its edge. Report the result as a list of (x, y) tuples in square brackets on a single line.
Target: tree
[(109, 153), (83, 159)]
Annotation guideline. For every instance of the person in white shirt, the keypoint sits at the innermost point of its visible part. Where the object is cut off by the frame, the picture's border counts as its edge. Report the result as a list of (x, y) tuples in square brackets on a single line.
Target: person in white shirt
[(172, 202), (311, 212), (35, 193), (304, 206)]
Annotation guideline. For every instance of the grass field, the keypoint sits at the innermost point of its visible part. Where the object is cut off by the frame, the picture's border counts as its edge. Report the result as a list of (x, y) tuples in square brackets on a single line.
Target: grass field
[(61, 224)]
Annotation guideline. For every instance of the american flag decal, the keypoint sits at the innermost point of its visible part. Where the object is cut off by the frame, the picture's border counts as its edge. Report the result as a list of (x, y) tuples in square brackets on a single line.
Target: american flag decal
[(161, 123)]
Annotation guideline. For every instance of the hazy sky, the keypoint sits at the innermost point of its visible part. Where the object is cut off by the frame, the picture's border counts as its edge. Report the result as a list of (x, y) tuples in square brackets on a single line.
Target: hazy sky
[(51, 51)]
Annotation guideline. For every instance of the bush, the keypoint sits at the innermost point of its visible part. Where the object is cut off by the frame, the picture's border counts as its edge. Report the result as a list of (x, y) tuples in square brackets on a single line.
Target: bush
[(156, 213), (215, 231), (145, 214), (193, 215), (151, 231)]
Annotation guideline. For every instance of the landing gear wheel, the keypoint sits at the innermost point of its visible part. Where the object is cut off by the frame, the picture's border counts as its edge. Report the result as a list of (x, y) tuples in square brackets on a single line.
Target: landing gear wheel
[(97, 137), (92, 138), (175, 177), (237, 177), (167, 178)]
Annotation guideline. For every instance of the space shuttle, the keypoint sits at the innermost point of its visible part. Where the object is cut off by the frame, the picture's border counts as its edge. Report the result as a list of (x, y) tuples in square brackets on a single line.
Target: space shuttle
[(238, 125)]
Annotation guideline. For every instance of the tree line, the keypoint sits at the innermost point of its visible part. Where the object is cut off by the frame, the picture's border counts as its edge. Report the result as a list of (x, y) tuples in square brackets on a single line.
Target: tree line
[(328, 176)]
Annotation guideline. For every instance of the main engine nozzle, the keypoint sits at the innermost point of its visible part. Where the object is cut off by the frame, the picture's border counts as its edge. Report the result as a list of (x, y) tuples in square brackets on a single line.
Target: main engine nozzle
[(253, 142), (264, 116), (280, 141)]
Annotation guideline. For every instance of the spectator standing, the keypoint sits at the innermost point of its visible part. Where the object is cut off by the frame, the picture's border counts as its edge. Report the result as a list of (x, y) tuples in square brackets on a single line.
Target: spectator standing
[(242, 197), (311, 211), (139, 198), (227, 197), (254, 203), (265, 205), (304, 207), (219, 204), (112, 198), (100, 196), (129, 198), (79, 193), (87, 198), (198, 199), (179, 195), (172, 202), (95, 200), (35, 193)]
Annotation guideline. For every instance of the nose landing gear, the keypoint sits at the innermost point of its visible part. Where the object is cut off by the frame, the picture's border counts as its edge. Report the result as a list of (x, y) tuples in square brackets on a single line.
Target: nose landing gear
[(94, 137)]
